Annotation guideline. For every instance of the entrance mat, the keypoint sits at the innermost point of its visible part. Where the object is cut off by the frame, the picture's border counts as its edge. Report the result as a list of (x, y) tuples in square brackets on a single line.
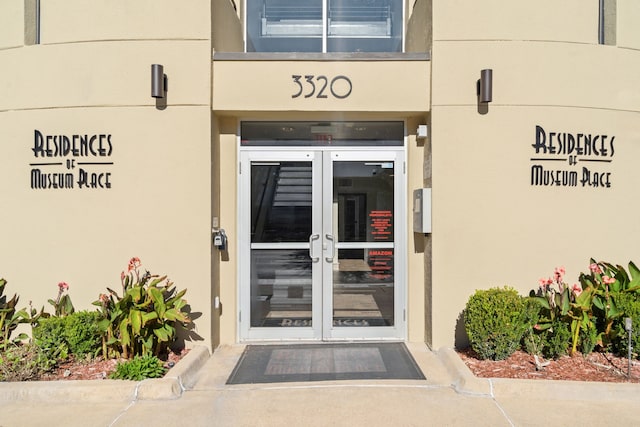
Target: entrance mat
[(324, 362)]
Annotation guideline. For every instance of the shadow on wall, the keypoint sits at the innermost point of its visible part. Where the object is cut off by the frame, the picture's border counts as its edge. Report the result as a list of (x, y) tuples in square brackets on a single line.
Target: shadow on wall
[(461, 338), (483, 107), (187, 332), (161, 103)]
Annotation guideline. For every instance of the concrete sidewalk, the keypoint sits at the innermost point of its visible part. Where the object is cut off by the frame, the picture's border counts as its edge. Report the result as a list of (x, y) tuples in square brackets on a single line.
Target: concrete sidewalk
[(195, 394)]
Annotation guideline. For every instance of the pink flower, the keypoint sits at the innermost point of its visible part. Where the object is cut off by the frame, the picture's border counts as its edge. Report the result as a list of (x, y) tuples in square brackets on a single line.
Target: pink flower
[(104, 298), (577, 289), (595, 268), (134, 263), (608, 280), (544, 283), (559, 274), (62, 286)]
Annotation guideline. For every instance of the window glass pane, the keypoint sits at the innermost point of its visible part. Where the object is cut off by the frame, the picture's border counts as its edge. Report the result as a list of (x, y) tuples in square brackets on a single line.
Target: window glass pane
[(350, 25), (364, 26), (335, 134), (280, 202), (280, 288), (364, 193), (284, 26), (363, 288)]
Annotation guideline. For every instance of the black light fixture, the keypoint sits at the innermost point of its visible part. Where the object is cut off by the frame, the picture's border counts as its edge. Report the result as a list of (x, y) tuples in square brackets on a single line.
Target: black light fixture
[(158, 83), (486, 85)]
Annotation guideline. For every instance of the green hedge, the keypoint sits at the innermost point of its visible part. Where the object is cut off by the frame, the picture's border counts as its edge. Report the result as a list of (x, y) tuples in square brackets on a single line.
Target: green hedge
[(495, 321)]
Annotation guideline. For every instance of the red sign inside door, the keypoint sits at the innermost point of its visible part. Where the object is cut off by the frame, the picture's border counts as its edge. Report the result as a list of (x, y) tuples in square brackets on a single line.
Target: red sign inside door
[(381, 223)]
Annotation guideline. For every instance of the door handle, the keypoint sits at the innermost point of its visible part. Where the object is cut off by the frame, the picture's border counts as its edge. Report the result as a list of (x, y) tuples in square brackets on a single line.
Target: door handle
[(311, 239), (333, 248)]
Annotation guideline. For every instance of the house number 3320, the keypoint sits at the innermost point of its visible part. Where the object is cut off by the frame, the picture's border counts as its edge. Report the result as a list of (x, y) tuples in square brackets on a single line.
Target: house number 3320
[(320, 86)]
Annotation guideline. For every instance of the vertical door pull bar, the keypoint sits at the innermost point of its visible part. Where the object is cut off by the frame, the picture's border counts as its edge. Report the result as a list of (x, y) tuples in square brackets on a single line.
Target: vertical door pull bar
[(333, 248), (311, 239)]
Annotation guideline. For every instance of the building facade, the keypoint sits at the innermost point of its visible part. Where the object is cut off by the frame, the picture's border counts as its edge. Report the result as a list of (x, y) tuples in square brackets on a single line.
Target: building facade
[(320, 170)]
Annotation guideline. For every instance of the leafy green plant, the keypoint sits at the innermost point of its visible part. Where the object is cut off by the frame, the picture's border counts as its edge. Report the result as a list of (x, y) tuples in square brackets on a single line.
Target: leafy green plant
[(77, 334), (82, 334), (495, 321), (49, 337), (139, 368), (607, 284), (10, 317), (143, 320), (62, 304), (556, 339), (629, 304)]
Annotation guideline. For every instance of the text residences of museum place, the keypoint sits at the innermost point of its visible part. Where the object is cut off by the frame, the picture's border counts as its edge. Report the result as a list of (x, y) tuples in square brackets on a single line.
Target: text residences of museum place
[(71, 161), (581, 158)]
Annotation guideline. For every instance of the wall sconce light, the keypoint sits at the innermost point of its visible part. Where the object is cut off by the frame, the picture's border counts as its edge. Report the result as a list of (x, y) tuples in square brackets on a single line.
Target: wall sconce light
[(158, 81), (486, 85)]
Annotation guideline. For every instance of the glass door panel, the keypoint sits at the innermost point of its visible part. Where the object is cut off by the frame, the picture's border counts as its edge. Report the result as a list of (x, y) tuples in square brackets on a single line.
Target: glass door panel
[(284, 289), (359, 222)]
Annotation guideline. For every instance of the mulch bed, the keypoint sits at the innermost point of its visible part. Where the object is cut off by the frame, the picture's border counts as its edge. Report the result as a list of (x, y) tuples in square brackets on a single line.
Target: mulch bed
[(98, 368), (596, 366)]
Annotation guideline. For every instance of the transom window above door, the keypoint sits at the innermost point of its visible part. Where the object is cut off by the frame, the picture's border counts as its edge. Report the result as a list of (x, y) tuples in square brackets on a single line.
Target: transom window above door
[(324, 26)]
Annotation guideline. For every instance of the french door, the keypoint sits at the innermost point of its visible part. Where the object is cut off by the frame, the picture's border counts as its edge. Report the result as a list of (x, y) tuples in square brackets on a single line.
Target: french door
[(321, 244)]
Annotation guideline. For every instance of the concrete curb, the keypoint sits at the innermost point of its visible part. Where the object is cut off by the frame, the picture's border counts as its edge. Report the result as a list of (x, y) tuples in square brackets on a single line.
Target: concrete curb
[(180, 378), (463, 380)]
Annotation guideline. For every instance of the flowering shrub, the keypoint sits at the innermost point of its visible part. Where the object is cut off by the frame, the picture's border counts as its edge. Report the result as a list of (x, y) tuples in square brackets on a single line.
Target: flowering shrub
[(62, 305), (143, 320), (590, 307)]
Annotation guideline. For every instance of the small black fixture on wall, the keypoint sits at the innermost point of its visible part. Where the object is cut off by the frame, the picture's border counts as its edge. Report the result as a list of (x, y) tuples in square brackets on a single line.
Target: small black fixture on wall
[(158, 81), (486, 86)]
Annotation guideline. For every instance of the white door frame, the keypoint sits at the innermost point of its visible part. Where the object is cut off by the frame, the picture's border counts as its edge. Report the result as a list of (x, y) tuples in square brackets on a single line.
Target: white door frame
[(322, 160)]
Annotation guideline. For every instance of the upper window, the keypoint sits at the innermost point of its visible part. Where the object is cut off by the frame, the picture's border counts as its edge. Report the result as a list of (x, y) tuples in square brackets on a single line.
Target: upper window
[(324, 26)]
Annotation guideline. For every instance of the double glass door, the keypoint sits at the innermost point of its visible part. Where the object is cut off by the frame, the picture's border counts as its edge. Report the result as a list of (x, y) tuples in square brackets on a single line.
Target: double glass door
[(321, 255)]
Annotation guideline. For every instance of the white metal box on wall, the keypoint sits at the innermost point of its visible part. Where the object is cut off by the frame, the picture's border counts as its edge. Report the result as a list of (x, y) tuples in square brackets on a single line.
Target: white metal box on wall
[(422, 210)]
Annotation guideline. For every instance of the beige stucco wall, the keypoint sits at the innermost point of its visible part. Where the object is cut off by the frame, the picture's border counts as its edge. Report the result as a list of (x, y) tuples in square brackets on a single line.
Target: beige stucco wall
[(491, 226), (226, 26), (12, 28), (77, 20), (395, 86), (228, 220), (628, 14), (544, 20), (91, 75), (419, 26)]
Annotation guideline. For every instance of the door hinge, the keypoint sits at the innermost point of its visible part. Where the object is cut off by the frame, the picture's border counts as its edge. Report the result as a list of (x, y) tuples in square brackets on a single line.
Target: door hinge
[(404, 315), (239, 316), (404, 168), (240, 168)]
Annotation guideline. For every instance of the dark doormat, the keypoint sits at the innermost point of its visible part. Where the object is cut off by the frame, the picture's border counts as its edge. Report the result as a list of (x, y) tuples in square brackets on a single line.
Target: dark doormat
[(324, 362)]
